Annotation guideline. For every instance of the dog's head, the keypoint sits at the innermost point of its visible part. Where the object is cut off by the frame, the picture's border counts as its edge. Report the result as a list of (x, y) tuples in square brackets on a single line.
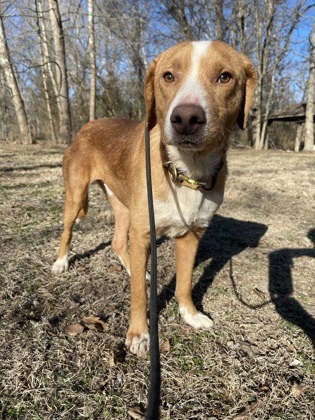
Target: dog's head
[(197, 91)]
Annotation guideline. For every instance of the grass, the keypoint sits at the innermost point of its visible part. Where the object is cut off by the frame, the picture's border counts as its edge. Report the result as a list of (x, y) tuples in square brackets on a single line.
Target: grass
[(254, 275)]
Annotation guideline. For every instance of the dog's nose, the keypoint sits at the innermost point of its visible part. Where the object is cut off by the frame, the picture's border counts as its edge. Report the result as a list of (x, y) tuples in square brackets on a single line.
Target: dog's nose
[(187, 119)]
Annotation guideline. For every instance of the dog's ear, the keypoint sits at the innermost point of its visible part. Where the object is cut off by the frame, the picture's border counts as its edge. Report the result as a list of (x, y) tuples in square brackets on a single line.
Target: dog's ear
[(149, 95), (249, 91)]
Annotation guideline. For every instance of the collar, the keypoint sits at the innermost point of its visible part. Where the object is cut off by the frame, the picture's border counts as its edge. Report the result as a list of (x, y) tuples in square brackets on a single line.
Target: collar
[(179, 178)]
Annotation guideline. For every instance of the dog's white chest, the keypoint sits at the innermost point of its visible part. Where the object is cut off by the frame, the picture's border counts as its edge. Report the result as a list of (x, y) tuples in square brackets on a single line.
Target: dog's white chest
[(185, 209)]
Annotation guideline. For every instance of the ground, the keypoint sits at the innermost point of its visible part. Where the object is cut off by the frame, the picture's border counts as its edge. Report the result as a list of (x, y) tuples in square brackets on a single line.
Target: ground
[(254, 275)]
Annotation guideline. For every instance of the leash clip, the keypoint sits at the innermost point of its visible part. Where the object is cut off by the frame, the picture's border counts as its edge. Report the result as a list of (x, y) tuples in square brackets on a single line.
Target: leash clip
[(172, 170)]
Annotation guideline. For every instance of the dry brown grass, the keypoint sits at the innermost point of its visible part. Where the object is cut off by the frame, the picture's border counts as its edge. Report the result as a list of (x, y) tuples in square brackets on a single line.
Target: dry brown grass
[(254, 275)]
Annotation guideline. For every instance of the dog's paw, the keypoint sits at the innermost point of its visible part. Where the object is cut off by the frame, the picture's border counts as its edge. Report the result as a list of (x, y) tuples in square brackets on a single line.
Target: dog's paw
[(197, 321), (60, 265), (138, 345)]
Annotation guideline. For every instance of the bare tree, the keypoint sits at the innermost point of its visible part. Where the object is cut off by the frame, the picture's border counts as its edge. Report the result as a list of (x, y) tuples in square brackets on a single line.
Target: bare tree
[(126, 26), (274, 30), (92, 60), (180, 12), (309, 113), (18, 102), (60, 56), (129, 34), (219, 20), (43, 47), (48, 60), (237, 31)]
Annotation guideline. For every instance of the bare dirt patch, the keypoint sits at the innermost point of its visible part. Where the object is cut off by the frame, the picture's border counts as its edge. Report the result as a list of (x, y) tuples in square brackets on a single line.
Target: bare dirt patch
[(254, 274)]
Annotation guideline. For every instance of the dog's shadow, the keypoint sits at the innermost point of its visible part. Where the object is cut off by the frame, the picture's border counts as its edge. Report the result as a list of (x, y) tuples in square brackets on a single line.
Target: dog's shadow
[(223, 239), (88, 254), (227, 237)]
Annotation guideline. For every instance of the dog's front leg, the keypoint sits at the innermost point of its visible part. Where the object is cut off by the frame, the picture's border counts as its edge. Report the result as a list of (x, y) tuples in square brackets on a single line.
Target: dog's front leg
[(186, 250), (138, 333)]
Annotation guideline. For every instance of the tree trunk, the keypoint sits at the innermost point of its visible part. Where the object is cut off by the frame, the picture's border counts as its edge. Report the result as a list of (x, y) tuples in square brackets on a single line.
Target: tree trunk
[(298, 137), (236, 26), (257, 126), (6, 64), (268, 103), (219, 20), (260, 70), (263, 50), (47, 58), (60, 53), (270, 53), (44, 67), (92, 61), (309, 113)]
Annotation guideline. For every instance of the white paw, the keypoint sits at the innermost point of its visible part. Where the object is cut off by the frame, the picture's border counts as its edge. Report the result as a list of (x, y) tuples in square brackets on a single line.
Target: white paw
[(139, 345), (196, 321), (61, 265)]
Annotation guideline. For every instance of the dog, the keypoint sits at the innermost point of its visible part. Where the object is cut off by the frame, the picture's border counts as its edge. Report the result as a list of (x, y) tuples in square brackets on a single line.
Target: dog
[(195, 92)]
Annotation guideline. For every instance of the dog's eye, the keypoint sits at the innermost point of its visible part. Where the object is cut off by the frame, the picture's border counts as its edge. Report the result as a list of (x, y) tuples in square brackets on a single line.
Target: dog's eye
[(224, 78), (168, 77)]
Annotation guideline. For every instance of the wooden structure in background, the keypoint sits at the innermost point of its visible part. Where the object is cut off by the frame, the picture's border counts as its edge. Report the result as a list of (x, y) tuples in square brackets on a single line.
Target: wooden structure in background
[(289, 123)]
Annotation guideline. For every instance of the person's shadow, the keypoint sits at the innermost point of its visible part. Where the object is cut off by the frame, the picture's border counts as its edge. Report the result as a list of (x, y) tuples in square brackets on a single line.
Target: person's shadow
[(224, 238), (281, 287)]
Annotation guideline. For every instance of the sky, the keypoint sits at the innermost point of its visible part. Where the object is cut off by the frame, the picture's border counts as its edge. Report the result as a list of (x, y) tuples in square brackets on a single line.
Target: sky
[(300, 51)]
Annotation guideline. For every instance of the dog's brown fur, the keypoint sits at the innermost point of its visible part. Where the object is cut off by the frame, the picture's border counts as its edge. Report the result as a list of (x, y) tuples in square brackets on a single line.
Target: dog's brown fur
[(111, 152)]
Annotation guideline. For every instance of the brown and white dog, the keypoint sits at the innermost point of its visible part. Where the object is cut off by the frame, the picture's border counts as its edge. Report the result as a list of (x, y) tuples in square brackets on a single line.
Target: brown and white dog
[(195, 92)]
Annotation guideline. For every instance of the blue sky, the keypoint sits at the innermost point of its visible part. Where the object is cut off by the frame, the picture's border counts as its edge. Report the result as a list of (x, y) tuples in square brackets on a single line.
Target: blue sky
[(300, 49)]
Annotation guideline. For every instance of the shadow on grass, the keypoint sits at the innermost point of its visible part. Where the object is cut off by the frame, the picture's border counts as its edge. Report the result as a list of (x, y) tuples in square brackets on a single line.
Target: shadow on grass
[(227, 237), (31, 168), (89, 253), (281, 288), (224, 238)]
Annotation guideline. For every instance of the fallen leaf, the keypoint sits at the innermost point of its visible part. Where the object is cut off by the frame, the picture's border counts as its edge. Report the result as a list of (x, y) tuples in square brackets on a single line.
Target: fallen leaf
[(295, 363), (166, 346), (135, 413), (95, 323), (187, 329), (297, 390), (113, 268), (74, 329), (292, 348)]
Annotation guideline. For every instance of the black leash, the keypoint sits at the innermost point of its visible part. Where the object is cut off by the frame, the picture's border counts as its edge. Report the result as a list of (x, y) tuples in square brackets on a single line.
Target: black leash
[(153, 409)]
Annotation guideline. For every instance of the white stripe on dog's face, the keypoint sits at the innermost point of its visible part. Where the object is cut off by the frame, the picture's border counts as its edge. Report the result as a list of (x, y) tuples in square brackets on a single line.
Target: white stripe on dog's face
[(191, 91)]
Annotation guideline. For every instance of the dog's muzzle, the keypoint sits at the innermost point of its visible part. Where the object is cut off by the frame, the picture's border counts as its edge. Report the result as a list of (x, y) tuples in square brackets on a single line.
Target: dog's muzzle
[(187, 122)]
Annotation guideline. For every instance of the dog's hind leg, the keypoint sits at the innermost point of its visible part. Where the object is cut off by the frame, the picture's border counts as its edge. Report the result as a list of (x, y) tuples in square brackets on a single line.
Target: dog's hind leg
[(122, 224), (76, 205), (84, 209)]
